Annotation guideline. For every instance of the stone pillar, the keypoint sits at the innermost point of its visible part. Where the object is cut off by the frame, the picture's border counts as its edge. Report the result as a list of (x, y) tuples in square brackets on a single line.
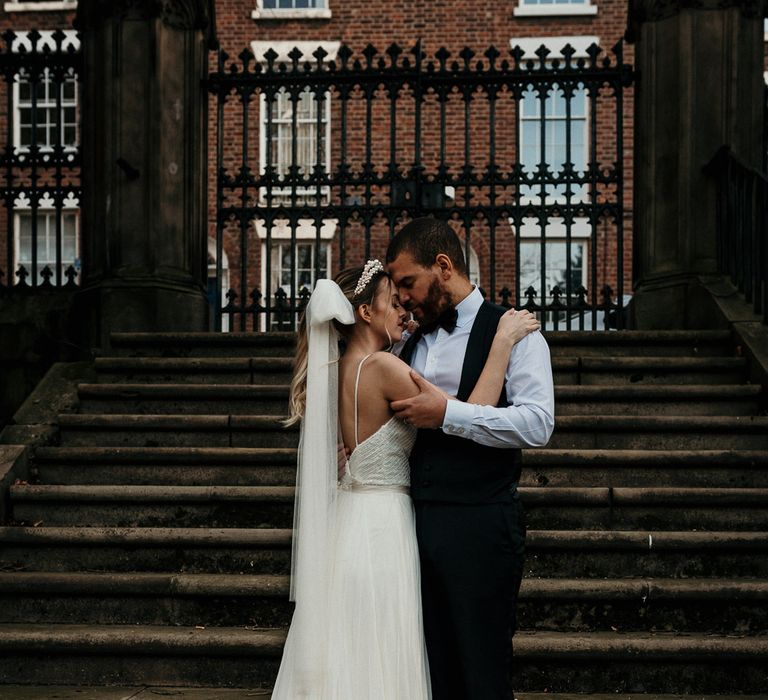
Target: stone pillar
[(145, 151), (699, 87)]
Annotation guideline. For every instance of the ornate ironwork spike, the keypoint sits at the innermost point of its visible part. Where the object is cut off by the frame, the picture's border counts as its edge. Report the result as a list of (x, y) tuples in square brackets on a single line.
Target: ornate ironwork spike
[(304, 295), (344, 53), (530, 294), (231, 299), (22, 274), (46, 273), (320, 53), (556, 294), (295, 54), (270, 56), (71, 274), (506, 294), (607, 295)]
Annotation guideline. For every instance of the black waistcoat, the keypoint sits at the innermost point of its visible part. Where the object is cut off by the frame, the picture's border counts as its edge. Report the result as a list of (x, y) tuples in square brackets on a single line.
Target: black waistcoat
[(454, 469)]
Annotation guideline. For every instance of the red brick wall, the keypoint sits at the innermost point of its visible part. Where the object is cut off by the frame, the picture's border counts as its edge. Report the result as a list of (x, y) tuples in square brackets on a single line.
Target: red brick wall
[(439, 23)]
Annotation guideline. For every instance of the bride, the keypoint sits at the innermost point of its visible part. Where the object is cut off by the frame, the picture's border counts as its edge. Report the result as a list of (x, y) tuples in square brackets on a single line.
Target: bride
[(356, 632)]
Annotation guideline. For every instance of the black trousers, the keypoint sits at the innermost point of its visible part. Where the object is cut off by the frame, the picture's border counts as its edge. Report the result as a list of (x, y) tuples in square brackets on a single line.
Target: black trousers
[(471, 568)]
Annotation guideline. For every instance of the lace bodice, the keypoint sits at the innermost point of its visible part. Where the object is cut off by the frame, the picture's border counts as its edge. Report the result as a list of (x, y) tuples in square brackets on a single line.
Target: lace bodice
[(382, 458)]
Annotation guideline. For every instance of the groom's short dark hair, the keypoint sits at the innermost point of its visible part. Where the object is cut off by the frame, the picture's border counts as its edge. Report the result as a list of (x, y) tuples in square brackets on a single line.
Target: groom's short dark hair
[(424, 239)]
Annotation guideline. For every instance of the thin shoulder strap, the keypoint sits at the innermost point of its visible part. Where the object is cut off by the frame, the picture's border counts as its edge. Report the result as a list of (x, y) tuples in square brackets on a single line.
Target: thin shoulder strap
[(357, 383)]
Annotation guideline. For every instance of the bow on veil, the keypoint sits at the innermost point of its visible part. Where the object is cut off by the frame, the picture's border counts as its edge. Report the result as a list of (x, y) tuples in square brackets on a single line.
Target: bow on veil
[(316, 477)]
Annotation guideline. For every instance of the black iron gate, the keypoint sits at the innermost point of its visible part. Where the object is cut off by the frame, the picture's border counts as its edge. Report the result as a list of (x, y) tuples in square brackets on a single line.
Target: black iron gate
[(321, 157)]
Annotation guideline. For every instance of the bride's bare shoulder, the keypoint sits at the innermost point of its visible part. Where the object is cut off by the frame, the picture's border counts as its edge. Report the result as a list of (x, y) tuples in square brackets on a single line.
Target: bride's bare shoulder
[(393, 375)]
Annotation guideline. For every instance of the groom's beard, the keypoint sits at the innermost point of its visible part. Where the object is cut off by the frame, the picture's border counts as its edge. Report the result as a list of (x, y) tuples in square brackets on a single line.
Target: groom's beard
[(436, 302)]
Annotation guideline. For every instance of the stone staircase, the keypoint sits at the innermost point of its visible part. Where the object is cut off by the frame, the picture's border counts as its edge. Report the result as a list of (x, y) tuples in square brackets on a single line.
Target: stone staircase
[(154, 544)]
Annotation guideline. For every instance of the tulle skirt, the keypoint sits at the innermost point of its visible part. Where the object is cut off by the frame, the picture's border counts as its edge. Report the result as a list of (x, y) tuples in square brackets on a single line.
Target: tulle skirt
[(375, 647)]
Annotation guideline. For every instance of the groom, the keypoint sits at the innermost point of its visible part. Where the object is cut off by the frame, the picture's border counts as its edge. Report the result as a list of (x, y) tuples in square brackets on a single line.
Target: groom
[(465, 464)]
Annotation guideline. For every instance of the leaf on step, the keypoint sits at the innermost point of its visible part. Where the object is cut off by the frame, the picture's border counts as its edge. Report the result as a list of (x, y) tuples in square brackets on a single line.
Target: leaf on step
[(199, 627), (37, 524)]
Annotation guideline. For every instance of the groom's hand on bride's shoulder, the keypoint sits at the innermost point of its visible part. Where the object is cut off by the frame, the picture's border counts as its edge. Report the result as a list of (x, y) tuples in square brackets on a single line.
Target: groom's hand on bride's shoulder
[(426, 409)]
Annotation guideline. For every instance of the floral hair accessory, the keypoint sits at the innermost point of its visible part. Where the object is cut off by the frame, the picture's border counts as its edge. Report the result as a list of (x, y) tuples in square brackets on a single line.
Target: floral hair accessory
[(371, 268)]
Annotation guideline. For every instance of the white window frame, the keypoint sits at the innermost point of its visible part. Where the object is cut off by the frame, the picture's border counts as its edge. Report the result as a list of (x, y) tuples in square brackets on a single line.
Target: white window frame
[(278, 192), (291, 13), (281, 233), (555, 228), (544, 297), (47, 208), (283, 49), (47, 148), (50, 6), (526, 8)]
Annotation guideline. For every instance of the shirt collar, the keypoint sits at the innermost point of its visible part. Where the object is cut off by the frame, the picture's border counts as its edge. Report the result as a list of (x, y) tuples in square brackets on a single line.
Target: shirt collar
[(468, 307)]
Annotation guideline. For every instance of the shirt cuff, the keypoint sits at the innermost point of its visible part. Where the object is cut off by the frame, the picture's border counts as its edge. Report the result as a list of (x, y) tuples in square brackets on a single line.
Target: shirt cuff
[(458, 418)]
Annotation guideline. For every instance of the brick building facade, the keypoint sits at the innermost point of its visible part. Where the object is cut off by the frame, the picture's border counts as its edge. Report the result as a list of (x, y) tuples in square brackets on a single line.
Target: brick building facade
[(261, 25)]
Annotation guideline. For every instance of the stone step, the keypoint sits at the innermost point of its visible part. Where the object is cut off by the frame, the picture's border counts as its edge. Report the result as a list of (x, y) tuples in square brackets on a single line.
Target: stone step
[(660, 432), (583, 343), (203, 344), (154, 506), (193, 399), (179, 430), (247, 466), (641, 343), (648, 370), (693, 605), (643, 468), (166, 465), (550, 553), (195, 370), (571, 432), (670, 400), (727, 399), (264, 466), (574, 662), (567, 370), (594, 508)]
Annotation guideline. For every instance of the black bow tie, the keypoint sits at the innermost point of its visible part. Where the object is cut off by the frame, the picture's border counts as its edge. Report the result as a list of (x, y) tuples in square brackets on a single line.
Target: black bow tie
[(446, 320)]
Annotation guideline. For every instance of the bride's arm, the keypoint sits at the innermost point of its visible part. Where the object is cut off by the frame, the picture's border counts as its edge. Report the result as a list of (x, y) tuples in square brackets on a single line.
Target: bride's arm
[(513, 327)]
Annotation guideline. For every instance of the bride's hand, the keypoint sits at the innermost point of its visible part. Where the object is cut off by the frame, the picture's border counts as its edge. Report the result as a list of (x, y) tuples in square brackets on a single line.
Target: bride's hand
[(515, 325)]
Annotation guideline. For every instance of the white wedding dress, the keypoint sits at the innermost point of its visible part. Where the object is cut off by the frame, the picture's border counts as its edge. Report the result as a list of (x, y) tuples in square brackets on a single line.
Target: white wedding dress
[(375, 639)]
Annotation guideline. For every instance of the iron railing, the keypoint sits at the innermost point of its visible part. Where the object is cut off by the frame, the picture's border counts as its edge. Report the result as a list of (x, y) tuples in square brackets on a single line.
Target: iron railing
[(742, 227), (321, 158), (40, 163)]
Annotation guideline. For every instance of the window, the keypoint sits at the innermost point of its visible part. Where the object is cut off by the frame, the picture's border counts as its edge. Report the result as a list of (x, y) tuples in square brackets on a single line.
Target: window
[(536, 8), (555, 274), (46, 242), (294, 9), (304, 267), (278, 135), (556, 269), (311, 120), (554, 124), (44, 103), (547, 123)]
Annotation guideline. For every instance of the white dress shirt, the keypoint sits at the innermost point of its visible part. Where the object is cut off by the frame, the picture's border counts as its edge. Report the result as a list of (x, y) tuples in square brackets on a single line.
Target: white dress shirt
[(529, 419)]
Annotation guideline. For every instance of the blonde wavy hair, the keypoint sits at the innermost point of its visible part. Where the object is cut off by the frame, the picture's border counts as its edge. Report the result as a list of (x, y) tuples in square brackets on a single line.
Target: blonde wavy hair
[(347, 280)]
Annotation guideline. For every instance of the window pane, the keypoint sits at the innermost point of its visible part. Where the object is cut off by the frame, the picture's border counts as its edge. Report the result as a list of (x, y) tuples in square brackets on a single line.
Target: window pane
[(556, 269)]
